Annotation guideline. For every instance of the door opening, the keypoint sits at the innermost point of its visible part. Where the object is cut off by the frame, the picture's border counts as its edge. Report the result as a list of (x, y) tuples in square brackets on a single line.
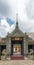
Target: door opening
[(16, 47)]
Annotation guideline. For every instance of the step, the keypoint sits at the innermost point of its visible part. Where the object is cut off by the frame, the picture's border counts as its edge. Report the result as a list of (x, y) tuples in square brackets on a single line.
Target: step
[(17, 57)]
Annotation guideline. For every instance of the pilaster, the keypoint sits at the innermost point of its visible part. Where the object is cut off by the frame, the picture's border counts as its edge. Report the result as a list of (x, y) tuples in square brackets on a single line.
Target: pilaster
[(25, 46), (8, 46)]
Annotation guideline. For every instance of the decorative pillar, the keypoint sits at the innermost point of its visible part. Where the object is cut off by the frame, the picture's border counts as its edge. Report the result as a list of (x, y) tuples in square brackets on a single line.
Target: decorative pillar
[(22, 47), (25, 46), (8, 46), (0, 52), (33, 52)]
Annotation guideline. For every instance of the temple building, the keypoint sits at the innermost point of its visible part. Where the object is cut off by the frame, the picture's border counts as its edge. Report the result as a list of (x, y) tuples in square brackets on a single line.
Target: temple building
[(17, 43)]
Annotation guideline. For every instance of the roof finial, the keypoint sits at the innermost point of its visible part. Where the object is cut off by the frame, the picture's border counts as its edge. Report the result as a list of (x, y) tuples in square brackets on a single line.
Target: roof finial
[(17, 20)]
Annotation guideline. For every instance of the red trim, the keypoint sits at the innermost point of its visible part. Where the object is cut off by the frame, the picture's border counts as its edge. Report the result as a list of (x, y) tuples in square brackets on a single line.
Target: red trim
[(17, 58)]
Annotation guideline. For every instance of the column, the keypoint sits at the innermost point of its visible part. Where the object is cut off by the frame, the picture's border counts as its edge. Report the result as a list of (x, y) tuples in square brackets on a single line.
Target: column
[(22, 47), (8, 46), (0, 52), (25, 46), (33, 52)]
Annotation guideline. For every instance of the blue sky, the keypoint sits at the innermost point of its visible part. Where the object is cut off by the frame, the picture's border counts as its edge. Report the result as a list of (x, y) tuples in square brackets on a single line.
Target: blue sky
[(8, 10)]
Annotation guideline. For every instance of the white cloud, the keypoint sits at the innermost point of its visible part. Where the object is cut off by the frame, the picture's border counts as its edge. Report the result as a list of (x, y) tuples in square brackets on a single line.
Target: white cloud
[(30, 9), (4, 23), (4, 28), (26, 23), (25, 10)]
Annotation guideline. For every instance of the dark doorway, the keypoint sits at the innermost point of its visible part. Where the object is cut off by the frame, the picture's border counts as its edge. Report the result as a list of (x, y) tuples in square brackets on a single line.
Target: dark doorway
[(30, 47), (2, 47), (17, 47)]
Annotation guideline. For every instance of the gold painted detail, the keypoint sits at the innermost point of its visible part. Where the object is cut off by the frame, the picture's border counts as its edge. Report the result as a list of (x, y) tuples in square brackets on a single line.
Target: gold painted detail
[(16, 38)]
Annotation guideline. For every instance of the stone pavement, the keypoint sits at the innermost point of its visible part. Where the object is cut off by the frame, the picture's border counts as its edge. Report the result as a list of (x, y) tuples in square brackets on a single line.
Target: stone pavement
[(16, 62)]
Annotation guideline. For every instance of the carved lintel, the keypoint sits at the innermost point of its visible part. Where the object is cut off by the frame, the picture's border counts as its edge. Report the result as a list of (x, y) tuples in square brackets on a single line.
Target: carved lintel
[(16, 38)]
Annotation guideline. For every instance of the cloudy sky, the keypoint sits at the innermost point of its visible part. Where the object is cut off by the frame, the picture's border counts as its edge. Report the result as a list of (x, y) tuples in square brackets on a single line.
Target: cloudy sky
[(8, 10)]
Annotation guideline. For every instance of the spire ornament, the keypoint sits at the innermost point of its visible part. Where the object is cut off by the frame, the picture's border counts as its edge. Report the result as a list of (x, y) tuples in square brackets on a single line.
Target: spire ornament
[(17, 20)]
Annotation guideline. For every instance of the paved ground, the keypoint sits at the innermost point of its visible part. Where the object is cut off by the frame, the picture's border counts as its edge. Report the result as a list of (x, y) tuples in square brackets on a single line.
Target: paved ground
[(17, 62)]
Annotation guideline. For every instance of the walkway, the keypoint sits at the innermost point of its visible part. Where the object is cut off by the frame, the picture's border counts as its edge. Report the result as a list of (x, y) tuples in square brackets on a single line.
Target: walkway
[(17, 62)]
